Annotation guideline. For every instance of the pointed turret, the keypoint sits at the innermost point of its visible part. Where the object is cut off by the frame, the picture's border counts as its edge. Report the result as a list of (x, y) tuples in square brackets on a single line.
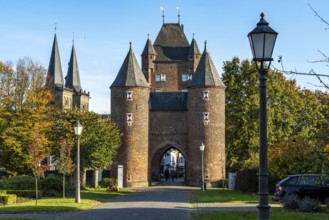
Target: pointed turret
[(72, 79), (148, 56), (206, 74), (130, 73), (149, 49), (194, 49), (55, 75)]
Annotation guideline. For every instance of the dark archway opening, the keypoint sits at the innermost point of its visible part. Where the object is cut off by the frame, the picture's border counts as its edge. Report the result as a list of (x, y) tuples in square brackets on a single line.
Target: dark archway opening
[(168, 167)]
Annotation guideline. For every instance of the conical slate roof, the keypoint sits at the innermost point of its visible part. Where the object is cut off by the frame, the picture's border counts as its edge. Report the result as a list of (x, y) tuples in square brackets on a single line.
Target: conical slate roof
[(194, 49), (72, 79), (55, 75), (206, 74), (130, 73), (149, 49), (171, 43)]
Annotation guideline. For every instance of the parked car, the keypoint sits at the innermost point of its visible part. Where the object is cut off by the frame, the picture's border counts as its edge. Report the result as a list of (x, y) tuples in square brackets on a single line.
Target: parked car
[(311, 185)]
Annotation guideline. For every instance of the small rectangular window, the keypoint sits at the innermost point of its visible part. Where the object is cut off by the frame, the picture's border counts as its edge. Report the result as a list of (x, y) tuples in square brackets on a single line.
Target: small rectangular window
[(160, 77), (158, 90), (186, 77), (184, 90)]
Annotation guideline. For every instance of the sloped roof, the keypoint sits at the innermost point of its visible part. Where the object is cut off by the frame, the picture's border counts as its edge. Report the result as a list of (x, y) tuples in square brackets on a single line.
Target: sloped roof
[(149, 49), (72, 79), (206, 74), (171, 43), (130, 73), (55, 75), (194, 49), (168, 101)]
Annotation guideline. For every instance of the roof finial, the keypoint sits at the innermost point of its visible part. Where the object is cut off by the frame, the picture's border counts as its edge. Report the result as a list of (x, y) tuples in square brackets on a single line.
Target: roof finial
[(193, 35), (148, 36), (205, 45), (130, 45), (72, 38), (162, 9), (178, 11), (55, 22)]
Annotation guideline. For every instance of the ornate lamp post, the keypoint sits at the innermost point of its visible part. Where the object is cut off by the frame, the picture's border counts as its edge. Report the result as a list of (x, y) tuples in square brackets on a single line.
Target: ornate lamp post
[(202, 146), (78, 130), (262, 40)]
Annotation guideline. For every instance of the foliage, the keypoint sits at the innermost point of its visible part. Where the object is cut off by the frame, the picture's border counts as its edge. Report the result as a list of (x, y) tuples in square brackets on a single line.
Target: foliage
[(18, 183), (308, 204), (296, 120), (8, 199), (50, 185), (290, 202), (247, 180), (64, 163), (26, 193), (24, 107), (109, 182), (99, 140)]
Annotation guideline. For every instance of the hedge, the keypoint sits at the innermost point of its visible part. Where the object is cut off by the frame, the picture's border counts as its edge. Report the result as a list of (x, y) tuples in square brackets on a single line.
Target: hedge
[(25, 193), (7, 199)]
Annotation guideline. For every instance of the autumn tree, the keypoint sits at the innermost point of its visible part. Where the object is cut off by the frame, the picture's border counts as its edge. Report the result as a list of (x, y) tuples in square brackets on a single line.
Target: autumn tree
[(24, 109), (64, 163)]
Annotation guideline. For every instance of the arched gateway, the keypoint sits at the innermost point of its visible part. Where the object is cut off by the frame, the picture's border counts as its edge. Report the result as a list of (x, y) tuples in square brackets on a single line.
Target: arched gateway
[(176, 100)]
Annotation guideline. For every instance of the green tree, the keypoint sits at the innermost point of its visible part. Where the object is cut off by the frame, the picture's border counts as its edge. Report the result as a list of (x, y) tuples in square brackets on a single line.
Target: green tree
[(294, 115), (99, 140), (24, 108)]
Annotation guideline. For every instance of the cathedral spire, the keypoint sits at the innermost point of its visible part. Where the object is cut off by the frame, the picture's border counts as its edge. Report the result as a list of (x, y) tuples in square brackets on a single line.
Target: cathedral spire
[(72, 79), (55, 75)]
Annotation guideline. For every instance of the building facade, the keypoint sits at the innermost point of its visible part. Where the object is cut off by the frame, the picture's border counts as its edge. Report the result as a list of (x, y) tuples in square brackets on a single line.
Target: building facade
[(176, 100)]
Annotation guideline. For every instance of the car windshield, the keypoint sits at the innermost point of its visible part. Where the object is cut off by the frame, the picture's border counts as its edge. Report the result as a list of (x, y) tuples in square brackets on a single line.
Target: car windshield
[(290, 180)]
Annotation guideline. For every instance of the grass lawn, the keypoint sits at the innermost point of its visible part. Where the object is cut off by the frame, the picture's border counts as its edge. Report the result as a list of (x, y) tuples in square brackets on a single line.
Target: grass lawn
[(89, 198), (222, 195), (277, 215)]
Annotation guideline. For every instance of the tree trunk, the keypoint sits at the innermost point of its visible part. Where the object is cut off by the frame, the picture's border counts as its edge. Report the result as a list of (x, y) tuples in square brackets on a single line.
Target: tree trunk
[(95, 178), (83, 179), (36, 191), (63, 186)]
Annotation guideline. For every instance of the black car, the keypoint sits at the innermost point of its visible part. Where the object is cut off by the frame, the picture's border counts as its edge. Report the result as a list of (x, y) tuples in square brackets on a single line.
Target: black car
[(311, 185)]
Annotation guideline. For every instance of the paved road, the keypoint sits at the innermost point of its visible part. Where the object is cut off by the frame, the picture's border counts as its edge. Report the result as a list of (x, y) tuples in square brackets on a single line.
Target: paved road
[(154, 203)]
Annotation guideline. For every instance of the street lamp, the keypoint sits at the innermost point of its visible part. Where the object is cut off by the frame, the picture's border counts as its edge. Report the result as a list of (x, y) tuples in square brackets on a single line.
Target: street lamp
[(78, 130), (202, 149), (262, 40)]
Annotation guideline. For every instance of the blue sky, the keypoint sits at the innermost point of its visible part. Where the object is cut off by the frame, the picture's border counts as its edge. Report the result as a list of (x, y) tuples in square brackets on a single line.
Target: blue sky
[(103, 30)]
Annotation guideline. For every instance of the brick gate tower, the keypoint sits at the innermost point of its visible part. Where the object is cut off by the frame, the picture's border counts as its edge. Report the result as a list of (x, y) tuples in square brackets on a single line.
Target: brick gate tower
[(175, 101)]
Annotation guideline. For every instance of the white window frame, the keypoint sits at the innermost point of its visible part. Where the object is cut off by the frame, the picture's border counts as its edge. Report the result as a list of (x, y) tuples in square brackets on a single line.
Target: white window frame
[(129, 95), (160, 77)]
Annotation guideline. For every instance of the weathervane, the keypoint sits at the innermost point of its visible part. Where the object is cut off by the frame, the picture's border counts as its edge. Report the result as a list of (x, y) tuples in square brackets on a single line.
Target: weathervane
[(162, 9), (178, 11)]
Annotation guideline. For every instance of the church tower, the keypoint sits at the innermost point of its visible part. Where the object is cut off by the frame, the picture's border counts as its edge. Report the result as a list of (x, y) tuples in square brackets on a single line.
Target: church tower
[(70, 94), (130, 94), (206, 123)]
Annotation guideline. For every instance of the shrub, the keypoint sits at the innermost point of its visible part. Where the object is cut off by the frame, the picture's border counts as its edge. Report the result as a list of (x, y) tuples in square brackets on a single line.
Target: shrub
[(3, 192), (247, 180), (326, 202), (19, 182), (25, 193), (290, 202), (308, 204), (106, 182), (223, 183), (52, 186), (8, 199)]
